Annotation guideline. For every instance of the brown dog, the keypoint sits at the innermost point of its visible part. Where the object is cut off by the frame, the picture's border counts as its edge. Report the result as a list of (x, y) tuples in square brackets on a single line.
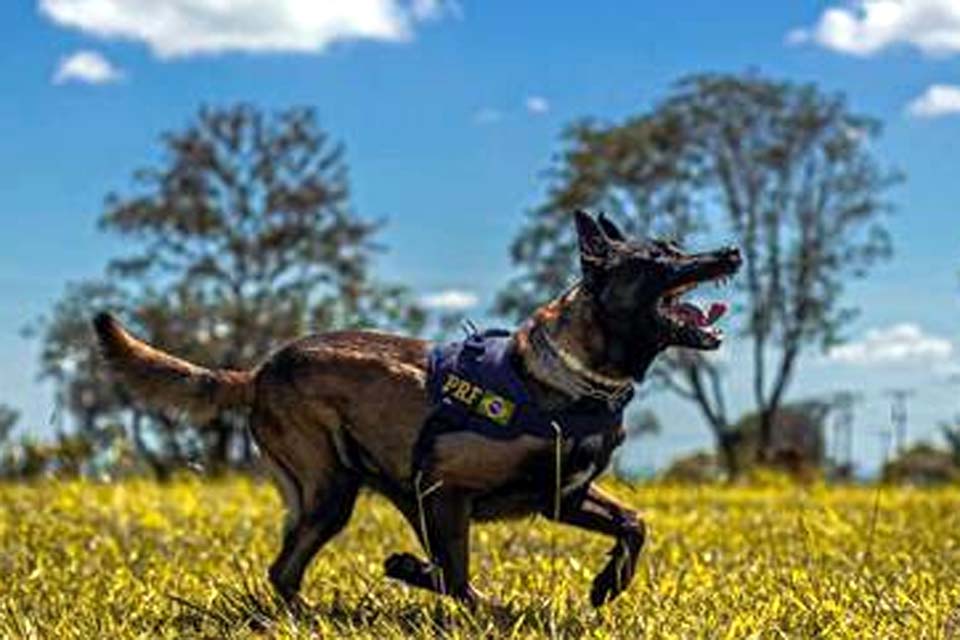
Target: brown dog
[(337, 411)]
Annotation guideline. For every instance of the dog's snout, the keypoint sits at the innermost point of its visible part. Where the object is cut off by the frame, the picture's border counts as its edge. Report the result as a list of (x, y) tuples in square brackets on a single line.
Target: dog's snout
[(732, 254)]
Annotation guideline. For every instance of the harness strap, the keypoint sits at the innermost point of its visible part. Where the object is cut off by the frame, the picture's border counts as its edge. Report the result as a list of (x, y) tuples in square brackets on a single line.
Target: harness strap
[(436, 572)]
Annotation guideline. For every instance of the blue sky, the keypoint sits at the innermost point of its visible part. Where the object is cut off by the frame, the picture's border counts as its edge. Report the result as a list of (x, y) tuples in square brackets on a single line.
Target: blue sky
[(449, 114)]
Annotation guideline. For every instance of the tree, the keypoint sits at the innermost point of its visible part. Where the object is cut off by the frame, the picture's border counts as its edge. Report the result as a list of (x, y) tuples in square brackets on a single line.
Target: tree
[(921, 464), (85, 391), (951, 433), (8, 420), (241, 237), (798, 437), (784, 169)]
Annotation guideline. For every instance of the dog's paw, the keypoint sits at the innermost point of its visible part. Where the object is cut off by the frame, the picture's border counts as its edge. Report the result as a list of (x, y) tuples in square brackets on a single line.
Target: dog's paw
[(615, 576), (407, 568), (603, 589), (404, 566)]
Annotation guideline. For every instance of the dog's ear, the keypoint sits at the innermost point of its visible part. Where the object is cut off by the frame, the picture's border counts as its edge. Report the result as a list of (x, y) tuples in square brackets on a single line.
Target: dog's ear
[(595, 248), (594, 243), (613, 232)]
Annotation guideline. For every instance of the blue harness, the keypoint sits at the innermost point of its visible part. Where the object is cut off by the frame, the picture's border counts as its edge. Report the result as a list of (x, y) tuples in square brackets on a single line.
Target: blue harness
[(473, 385)]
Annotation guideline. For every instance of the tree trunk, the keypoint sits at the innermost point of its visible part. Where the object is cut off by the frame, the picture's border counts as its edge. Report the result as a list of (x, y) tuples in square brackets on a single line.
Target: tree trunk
[(770, 407), (727, 445), (765, 435), (218, 453), (248, 453), (161, 470)]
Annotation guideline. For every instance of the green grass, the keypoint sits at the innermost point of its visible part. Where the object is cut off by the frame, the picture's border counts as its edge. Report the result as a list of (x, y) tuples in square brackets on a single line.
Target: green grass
[(140, 560)]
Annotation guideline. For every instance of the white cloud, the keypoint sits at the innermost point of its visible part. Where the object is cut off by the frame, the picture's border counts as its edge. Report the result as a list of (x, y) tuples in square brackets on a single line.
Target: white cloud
[(450, 300), (864, 27), (937, 100), (179, 28), (895, 344), (87, 67), (487, 115), (537, 105)]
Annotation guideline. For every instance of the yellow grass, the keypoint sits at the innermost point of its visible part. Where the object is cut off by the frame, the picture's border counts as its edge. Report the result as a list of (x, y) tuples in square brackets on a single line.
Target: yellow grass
[(138, 560)]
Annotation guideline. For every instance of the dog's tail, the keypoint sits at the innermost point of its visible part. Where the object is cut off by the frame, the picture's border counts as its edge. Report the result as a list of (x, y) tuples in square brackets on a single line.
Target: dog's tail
[(167, 382)]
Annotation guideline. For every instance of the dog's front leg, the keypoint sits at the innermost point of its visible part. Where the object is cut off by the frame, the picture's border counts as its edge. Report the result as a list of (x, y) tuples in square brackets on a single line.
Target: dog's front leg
[(601, 513), (446, 517)]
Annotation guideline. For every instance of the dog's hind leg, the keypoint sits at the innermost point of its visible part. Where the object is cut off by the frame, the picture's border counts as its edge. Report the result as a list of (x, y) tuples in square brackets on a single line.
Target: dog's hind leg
[(601, 513), (289, 490), (320, 520), (319, 495)]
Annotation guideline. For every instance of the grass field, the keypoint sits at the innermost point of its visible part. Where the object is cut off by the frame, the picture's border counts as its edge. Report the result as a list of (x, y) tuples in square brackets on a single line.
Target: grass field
[(138, 560)]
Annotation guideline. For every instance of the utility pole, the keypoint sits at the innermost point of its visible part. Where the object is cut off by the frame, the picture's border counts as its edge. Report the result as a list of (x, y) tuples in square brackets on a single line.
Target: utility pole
[(899, 416), (841, 442)]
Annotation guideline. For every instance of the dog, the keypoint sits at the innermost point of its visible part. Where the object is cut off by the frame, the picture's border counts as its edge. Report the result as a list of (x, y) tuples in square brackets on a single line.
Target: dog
[(334, 412)]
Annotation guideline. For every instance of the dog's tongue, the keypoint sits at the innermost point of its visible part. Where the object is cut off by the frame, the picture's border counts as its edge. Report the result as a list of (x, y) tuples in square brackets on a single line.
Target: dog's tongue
[(696, 315), (717, 309)]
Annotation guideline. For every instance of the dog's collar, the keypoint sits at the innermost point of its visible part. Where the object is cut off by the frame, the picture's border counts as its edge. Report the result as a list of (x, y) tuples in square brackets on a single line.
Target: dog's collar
[(573, 363), (565, 371)]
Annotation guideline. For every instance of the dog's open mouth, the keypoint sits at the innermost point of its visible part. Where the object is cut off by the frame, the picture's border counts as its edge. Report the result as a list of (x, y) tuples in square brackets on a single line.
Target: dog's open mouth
[(695, 320)]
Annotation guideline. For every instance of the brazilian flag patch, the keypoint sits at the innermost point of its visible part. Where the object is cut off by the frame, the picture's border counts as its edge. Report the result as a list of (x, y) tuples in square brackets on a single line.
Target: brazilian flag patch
[(495, 408)]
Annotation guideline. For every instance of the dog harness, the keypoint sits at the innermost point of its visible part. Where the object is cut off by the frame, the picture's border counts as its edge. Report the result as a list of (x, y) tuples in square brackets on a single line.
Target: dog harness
[(474, 385)]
